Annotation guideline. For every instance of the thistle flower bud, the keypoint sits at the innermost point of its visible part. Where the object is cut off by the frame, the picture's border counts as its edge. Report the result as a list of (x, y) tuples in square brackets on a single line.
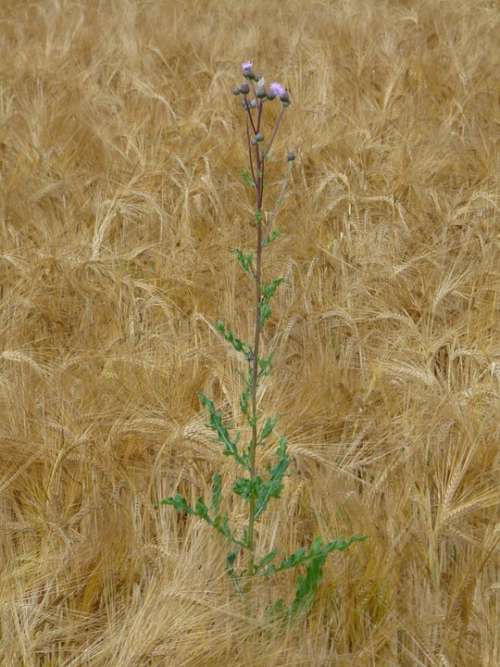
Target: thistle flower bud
[(259, 137), (253, 103), (236, 91), (285, 99), (261, 89), (244, 88)]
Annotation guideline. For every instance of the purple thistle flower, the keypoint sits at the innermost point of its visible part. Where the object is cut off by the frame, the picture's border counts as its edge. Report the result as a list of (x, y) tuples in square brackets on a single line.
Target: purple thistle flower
[(247, 68), (276, 89)]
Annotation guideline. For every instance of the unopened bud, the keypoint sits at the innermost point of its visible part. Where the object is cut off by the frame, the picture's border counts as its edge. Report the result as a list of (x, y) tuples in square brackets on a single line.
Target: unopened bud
[(259, 137), (236, 91), (261, 89), (244, 88), (285, 98)]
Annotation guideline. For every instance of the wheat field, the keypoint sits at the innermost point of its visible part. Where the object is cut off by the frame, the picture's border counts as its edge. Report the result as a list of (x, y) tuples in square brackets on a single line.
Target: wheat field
[(121, 150)]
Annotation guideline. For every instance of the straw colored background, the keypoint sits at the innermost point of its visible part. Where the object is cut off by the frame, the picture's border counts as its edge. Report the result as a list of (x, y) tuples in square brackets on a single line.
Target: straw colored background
[(121, 148)]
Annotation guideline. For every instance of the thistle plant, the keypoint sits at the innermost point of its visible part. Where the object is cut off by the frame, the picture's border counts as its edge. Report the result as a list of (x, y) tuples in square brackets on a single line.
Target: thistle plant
[(256, 487)]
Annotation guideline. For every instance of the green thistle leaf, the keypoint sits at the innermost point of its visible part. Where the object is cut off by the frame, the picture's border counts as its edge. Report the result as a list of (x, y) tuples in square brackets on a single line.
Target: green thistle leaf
[(178, 502), (265, 312), (268, 427), (247, 178), (201, 510), (272, 237), (217, 425), (266, 560), (216, 493), (269, 289), (239, 345), (245, 260), (265, 364)]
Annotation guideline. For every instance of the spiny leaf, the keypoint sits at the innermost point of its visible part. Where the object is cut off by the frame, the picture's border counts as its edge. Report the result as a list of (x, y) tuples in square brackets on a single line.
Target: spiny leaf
[(216, 493), (244, 401), (177, 501), (201, 510), (247, 487), (247, 178), (274, 486), (266, 560), (245, 260), (221, 523), (272, 237), (268, 427), (265, 364), (265, 312), (246, 393), (301, 556), (253, 420), (269, 289), (217, 425), (239, 345)]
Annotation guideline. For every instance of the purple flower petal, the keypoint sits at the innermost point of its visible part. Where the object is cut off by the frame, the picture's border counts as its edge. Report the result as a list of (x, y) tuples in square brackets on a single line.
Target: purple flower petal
[(276, 89)]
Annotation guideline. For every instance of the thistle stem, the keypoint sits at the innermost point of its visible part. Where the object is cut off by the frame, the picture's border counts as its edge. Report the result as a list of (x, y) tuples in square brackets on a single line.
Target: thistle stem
[(259, 190), (250, 152)]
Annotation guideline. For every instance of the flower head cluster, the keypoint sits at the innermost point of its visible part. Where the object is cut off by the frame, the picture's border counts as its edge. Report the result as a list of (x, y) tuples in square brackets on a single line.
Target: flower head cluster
[(261, 91)]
